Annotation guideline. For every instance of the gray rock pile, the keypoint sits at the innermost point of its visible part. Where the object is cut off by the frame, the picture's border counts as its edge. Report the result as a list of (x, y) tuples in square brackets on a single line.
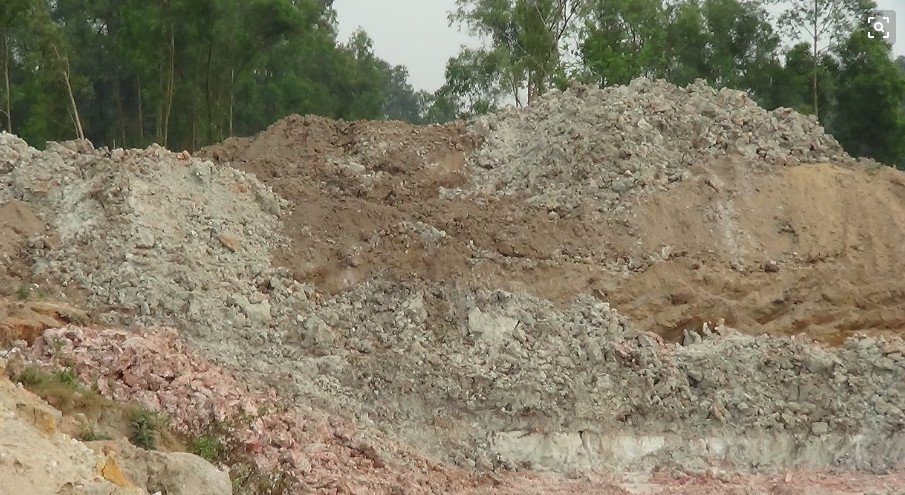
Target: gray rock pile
[(459, 372), (155, 236), (598, 145)]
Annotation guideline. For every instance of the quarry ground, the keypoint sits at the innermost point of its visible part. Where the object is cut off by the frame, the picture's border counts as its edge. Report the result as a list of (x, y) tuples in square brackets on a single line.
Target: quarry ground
[(642, 289)]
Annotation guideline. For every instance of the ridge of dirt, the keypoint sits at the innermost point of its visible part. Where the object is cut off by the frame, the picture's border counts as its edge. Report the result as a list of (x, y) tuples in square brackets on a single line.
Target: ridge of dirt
[(671, 259)]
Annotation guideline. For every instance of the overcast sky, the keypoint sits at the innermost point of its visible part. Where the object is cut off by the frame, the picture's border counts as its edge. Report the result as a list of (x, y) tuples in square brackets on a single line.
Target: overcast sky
[(416, 33)]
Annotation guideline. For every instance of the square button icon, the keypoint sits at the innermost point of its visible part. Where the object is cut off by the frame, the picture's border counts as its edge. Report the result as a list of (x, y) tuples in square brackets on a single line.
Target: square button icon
[(882, 25)]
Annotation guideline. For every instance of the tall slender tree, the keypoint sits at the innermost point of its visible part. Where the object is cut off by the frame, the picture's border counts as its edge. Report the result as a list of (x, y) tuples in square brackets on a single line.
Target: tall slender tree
[(824, 24), (527, 39)]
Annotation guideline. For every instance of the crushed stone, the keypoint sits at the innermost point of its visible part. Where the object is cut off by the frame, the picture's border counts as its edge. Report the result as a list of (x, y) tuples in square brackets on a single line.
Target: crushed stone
[(494, 363), (588, 144), (306, 451), (155, 236)]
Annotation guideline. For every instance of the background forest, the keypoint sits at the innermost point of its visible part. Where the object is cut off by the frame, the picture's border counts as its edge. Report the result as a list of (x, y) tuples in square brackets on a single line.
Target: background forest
[(187, 73)]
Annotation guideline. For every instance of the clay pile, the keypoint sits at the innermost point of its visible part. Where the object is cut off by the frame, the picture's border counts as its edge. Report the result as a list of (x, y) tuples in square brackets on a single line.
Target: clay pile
[(598, 145)]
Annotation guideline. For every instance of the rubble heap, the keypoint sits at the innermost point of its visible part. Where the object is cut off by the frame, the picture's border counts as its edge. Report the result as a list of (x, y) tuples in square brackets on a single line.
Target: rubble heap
[(595, 145)]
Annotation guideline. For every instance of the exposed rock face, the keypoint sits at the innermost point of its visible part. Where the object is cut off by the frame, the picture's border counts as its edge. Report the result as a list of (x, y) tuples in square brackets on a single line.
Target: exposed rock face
[(173, 473), (36, 458)]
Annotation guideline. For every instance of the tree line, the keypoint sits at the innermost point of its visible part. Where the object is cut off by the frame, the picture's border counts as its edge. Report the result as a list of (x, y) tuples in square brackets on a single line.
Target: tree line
[(835, 70), (183, 73), (186, 73)]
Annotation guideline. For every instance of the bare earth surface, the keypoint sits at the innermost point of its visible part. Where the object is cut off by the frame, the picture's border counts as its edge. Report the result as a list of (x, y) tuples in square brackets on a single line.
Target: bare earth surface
[(643, 289), (692, 254)]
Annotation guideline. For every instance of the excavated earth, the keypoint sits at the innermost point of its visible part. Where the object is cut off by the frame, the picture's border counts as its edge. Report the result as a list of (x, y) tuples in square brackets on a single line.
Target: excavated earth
[(638, 289)]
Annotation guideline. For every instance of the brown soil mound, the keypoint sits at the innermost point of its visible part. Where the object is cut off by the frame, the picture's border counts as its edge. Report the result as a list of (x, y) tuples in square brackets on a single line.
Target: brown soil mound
[(386, 215), (810, 249), (783, 250)]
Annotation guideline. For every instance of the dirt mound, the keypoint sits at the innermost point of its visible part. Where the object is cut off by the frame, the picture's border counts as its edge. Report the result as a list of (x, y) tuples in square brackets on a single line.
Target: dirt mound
[(743, 232), (153, 236), (810, 249), (780, 249)]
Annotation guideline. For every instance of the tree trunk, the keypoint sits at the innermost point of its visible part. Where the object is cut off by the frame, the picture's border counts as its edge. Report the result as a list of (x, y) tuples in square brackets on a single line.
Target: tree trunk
[(232, 99), (9, 110), (64, 69), (168, 106), (209, 132), (816, 62), (141, 115), (121, 120)]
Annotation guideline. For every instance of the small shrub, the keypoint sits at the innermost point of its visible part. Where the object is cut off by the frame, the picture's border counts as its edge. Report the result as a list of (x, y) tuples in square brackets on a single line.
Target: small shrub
[(91, 434), (23, 293), (66, 376), (145, 426), (30, 376)]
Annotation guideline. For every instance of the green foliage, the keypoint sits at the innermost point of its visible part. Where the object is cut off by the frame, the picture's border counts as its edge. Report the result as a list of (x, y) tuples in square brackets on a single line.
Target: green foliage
[(184, 73), (206, 447), (23, 293), (475, 84), (30, 376), (187, 73), (524, 55), (90, 434), (823, 24), (624, 39), (869, 113), (66, 376), (726, 42), (145, 426)]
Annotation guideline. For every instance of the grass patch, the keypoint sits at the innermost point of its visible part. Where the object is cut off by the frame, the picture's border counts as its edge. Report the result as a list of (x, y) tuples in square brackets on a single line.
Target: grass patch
[(92, 434), (206, 447), (59, 388), (30, 376), (109, 419)]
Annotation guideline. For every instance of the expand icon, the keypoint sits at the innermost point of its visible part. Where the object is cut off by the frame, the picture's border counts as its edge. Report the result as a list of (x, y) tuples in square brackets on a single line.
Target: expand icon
[(882, 26)]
